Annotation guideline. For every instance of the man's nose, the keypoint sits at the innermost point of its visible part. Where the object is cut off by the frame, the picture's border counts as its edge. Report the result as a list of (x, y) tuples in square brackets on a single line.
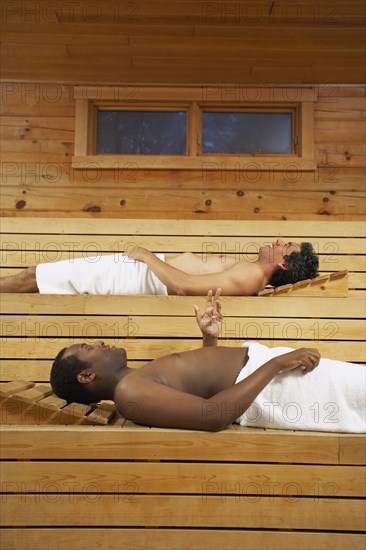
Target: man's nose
[(280, 242), (100, 343)]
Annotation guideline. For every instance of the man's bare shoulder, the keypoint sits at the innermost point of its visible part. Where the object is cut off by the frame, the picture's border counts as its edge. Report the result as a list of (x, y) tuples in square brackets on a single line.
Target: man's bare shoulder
[(132, 389), (247, 276)]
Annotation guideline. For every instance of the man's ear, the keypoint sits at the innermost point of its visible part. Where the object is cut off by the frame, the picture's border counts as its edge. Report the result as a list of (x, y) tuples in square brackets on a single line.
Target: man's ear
[(85, 376), (282, 265)]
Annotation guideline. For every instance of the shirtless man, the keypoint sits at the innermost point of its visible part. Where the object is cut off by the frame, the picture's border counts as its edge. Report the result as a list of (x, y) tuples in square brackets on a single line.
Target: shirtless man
[(186, 274), (193, 390)]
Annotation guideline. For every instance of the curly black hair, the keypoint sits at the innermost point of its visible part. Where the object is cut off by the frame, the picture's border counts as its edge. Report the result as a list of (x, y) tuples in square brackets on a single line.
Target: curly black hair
[(301, 265), (64, 380)]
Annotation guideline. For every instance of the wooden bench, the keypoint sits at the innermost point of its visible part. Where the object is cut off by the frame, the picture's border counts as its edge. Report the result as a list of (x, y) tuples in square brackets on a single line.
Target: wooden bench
[(66, 484), (334, 285)]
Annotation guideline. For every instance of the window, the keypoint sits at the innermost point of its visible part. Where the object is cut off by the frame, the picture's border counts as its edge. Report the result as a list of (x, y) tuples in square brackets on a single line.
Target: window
[(251, 133), (141, 132), (178, 128)]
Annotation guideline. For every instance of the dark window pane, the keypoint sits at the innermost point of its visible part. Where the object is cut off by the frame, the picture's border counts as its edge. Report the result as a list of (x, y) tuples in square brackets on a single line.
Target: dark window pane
[(246, 133), (141, 132)]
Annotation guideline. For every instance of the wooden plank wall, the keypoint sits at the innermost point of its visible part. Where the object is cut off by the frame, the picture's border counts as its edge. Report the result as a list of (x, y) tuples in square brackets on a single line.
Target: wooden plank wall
[(184, 41), (140, 488), (37, 130)]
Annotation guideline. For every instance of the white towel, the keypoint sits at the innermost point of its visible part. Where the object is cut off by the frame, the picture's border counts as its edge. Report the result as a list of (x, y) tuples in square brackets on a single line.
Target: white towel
[(331, 398), (110, 274)]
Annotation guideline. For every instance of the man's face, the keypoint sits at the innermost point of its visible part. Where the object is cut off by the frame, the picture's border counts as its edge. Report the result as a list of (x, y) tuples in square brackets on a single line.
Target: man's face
[(102, 357), (275, 253)]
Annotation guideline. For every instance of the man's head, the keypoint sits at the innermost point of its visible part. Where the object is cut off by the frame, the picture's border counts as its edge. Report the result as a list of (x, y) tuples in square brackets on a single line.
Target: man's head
[(87, 373), (292, 262)]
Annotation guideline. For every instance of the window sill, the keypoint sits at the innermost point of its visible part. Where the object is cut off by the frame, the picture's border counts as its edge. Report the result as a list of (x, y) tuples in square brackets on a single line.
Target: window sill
[(209, 163)]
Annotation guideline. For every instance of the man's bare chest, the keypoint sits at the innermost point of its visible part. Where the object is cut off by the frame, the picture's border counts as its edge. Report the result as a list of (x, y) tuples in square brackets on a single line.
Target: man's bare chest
[(202, 372)]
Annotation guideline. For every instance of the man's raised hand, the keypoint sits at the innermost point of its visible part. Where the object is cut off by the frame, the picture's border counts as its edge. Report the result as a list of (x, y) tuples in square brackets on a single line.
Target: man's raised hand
[(210, 321)]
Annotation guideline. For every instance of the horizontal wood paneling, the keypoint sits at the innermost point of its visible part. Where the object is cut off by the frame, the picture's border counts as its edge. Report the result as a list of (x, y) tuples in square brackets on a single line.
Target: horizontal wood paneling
[(188, 41), (178, 305), (148, 477), (213, 176), (87, 245), (38, 179), (170, 228), (34, 369), (147, 349), (234, 328), (140, 443), (184, 511), (172, 539), (272, 205)]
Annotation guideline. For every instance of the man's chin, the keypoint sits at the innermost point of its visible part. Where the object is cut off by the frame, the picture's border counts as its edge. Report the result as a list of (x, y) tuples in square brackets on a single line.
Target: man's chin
[(121, 353)]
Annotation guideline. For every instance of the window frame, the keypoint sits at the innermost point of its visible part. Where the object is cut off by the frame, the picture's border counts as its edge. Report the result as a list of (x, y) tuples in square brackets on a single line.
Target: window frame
[(90, 99)]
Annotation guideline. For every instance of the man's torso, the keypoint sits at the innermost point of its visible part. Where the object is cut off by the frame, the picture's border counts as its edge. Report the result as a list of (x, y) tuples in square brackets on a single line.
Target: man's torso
[(201, 265), (249, 273), (203, 372)]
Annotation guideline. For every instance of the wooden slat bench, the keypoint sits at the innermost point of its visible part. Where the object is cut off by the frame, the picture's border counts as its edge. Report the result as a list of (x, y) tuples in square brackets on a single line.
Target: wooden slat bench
[(24, 402), (66, 484), (334, 285)]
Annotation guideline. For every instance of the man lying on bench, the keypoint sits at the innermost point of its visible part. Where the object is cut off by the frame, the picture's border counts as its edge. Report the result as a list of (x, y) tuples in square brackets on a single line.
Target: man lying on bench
[(211, 387), (139, 271)]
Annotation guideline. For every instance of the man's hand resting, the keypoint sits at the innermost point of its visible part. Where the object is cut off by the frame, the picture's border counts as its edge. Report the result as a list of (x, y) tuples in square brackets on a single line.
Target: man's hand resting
[(307, 358), (136, 252)]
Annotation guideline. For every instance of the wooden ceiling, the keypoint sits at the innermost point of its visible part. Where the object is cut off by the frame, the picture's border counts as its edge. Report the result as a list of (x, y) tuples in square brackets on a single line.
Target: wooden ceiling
[(260, 41)]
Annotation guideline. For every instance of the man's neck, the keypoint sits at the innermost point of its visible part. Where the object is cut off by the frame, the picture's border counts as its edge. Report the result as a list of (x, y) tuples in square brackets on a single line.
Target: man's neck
[(268, 269), (112, 382)]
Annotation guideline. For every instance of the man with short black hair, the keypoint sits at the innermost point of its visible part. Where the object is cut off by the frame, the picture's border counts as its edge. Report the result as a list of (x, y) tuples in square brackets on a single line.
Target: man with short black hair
[(210, 387)]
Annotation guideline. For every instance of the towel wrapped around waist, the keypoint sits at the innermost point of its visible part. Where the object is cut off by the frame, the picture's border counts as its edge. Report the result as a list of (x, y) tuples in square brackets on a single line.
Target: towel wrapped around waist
[(110, 274), (331, 398)]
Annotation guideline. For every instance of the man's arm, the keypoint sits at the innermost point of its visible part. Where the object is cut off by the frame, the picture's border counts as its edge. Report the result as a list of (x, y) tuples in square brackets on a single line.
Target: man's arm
[(231, 281), (144, 401), (211, 320)]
